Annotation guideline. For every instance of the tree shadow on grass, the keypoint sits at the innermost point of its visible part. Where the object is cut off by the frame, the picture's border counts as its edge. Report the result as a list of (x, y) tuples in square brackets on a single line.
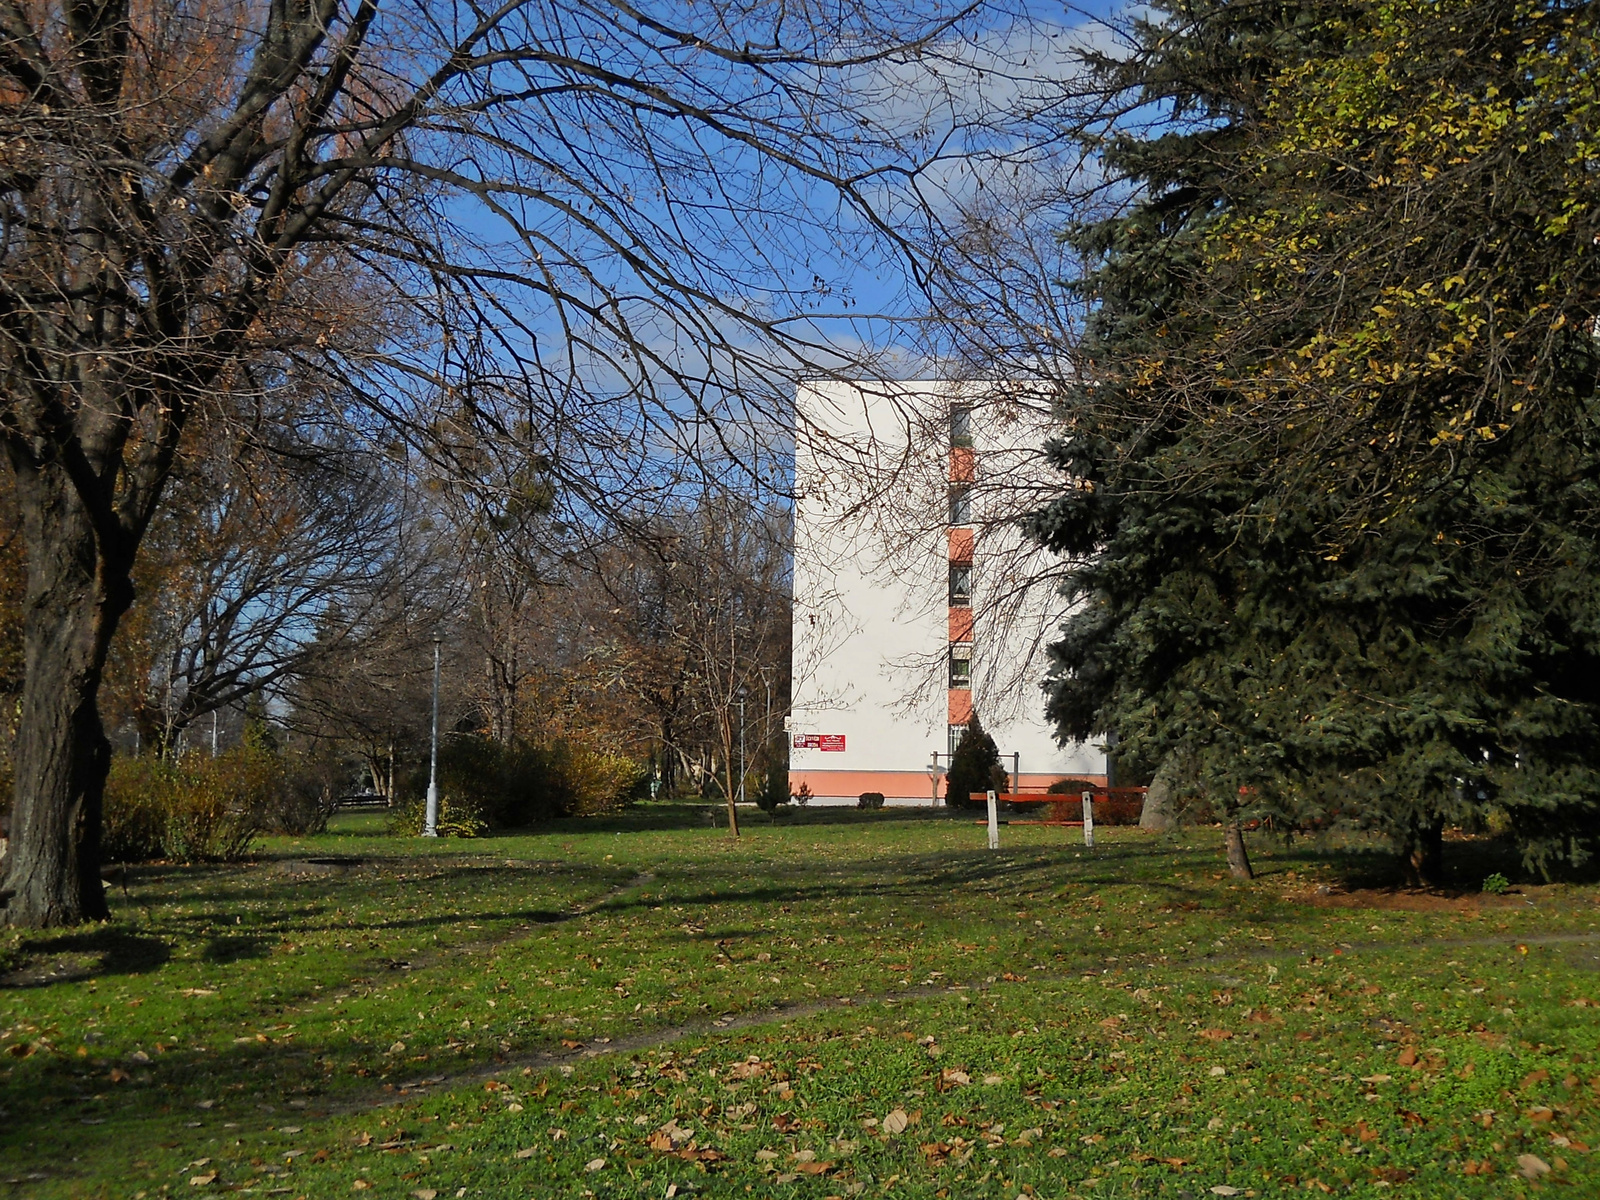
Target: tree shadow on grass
[(85, 955)]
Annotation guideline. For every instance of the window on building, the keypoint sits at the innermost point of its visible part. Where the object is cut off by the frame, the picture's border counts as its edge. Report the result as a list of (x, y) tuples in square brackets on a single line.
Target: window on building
[(961, 504), (960, 425), (955, 736), (961, 666), (960, 584)]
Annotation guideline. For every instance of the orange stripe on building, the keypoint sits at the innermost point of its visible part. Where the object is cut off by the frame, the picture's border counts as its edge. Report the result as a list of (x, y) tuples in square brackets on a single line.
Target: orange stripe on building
[(960, 706), (961, 545), (963, 464), (960, 624), (900, 785)]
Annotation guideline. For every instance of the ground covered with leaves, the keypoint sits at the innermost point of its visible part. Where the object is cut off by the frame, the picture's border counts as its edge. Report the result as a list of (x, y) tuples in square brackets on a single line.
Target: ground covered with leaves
[(837, 1005)]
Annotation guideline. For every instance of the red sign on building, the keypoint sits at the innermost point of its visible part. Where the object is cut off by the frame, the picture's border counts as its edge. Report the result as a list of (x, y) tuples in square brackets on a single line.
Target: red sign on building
[(819, 741)]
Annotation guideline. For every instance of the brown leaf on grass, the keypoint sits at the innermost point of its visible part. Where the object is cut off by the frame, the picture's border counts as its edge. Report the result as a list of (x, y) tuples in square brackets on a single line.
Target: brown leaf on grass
[(1408, 1117), (953, 1077), (571, 1045), (1391, 1174), (1535, 1077), (935, 1150), (658, 1141), (527, 1152), (1539, 1114), (1531, 1166), (1217, 1035), (203, 1180), (1408, 1057), (708, 1154), (1010, 978), (814, 1168)]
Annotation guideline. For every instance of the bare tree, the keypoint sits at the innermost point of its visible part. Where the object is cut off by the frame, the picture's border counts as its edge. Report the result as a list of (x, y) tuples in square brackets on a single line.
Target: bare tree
[(580, 198)]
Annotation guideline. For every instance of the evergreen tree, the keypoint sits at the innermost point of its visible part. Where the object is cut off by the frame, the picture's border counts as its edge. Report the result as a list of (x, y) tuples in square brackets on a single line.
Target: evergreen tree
[(1285, 584), (974, 767)]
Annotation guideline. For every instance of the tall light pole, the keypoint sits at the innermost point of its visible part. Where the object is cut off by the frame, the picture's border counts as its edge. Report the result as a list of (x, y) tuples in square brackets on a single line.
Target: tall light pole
[(430, 820), (741, 693)]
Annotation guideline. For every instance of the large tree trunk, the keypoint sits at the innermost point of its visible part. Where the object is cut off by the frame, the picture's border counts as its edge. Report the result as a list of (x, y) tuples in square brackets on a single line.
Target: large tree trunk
[(1238, 855), (1159, 813), (1424, 852), (75, 598)]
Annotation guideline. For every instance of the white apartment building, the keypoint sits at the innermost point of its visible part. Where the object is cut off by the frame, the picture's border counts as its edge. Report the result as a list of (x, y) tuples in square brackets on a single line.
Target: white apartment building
[(917, 601)]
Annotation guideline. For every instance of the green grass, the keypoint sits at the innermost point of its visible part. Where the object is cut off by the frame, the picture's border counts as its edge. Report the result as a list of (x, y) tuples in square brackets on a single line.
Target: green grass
[(840, 1004)]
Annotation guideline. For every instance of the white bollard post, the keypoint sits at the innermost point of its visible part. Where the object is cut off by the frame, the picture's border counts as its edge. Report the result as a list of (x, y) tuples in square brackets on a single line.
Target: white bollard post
[(1088, 819), (994, 823)]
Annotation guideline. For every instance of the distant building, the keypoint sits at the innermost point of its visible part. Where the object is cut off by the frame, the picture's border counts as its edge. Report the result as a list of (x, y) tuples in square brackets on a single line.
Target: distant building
[(917, 601)]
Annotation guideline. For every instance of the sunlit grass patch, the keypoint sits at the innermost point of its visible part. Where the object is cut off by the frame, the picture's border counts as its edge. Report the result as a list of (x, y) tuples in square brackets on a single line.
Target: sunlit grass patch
[(876, 1007)]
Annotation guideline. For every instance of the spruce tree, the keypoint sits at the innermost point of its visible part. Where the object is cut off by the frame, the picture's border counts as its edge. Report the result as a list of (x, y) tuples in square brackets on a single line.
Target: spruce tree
[(1283, 582)]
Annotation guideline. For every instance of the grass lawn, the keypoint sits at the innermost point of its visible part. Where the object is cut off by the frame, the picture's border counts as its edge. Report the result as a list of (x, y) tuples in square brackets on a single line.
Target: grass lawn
[(840, 1004)]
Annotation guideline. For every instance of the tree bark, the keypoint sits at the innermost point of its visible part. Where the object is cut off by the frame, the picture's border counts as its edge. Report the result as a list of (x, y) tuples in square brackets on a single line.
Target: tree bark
[(77, 592), (1157, 813), (1424, 852), (1238, 853)]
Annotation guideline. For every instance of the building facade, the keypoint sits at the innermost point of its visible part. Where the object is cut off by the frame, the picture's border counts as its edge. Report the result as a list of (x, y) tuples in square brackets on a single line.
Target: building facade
[(917, 601)]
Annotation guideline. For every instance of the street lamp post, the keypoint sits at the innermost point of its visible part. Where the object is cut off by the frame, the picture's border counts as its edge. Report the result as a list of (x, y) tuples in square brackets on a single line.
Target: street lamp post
[(430, 821), (741, 693)]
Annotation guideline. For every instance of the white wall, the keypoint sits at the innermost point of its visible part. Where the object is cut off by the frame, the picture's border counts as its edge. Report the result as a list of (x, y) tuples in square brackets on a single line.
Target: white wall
[(871, 618)]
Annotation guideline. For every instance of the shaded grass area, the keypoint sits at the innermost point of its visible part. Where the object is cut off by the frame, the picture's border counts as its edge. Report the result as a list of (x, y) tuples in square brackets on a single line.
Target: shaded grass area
[(547, 1014)]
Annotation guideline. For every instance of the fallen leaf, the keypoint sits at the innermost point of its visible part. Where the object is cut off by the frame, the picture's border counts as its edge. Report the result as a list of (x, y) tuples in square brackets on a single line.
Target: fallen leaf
[(425, 1193), (1533, 1077), (766, 1156), (1223, 1189), (1539, 1113), (527, 1153), (202, 1180), (1217, 1035), (360, 1185), (1376, 1078), (1531, 1166), (814, 1168), (594, 1164), (398, 1048), (896, 1121), (1408, 1057), (953, 1077)]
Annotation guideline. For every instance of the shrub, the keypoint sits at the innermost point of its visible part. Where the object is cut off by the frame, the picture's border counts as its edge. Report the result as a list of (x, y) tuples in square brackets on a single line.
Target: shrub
[(1497, 884), (488, 784), (870, 800), (308, 790), (974, 767), (1071, 787), (454, 819), (803, 796), (197, 807), (772, 790)]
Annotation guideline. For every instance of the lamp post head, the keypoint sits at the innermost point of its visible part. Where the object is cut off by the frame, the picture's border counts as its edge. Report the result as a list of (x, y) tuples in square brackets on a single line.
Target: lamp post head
[(438, 636), (741, 693)]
